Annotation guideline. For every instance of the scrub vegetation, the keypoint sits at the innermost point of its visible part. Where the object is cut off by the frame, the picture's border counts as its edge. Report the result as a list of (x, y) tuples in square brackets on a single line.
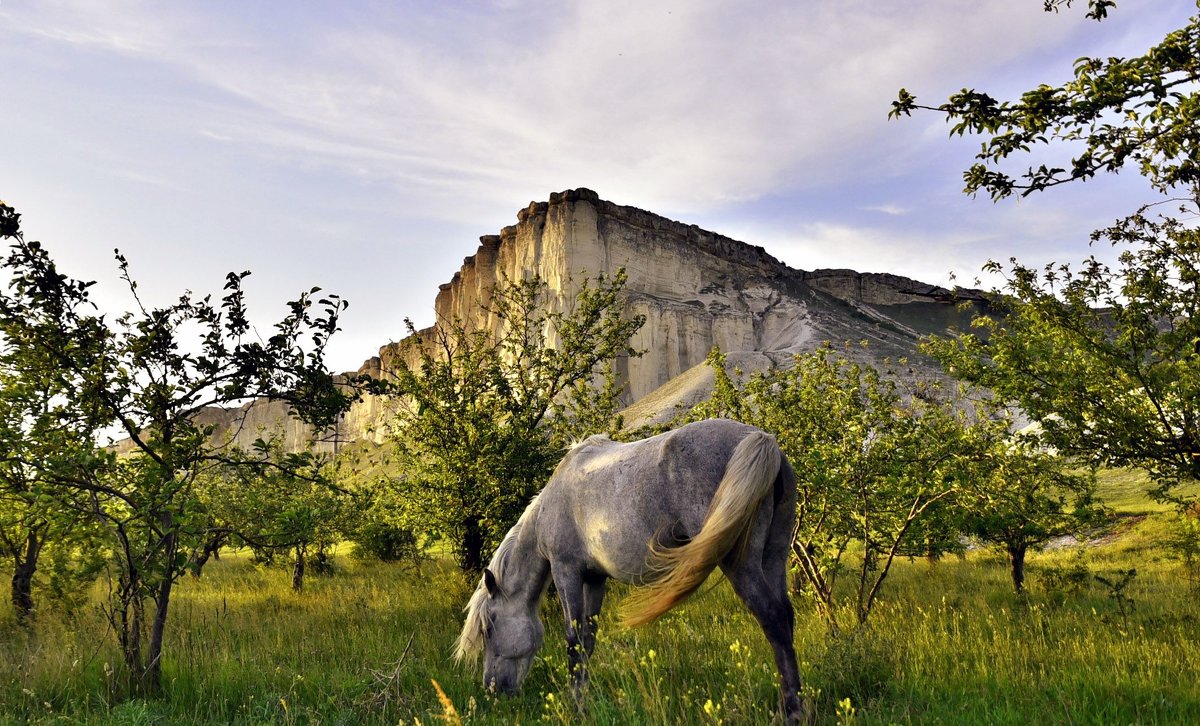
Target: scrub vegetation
[(949, 643)]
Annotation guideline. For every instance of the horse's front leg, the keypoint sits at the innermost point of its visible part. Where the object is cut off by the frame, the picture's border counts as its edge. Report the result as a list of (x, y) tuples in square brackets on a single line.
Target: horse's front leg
[(569, 583), (593, 599)]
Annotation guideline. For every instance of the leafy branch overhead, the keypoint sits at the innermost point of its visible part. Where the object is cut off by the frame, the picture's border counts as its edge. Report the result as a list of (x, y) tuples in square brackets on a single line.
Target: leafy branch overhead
[(1104, 357), (1097, 9), (1143, 111)]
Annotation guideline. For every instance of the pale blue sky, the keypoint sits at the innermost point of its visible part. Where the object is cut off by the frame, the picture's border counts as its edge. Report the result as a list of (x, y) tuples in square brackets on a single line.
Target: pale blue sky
[(364, 147)]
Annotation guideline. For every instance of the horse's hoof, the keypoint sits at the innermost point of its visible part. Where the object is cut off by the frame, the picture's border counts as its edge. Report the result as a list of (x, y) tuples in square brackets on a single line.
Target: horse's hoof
[(797, 713)]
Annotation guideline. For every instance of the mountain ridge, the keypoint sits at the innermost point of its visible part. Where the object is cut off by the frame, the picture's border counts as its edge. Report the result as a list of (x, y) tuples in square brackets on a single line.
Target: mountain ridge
[(696, 288)]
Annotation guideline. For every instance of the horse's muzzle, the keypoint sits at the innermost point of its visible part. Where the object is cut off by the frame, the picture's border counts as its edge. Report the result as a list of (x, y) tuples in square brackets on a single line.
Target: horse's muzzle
[(503, 686)]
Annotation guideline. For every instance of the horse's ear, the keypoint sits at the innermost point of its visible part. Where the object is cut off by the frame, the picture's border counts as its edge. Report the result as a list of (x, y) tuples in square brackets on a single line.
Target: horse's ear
[(489, 581)]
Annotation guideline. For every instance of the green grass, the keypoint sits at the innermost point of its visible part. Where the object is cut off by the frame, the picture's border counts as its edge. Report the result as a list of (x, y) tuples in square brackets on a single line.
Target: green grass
[(949, 643), (1124, 490)]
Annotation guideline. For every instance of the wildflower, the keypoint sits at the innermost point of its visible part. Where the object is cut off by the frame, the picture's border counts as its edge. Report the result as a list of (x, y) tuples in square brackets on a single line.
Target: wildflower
[(651, 654), (846, 712), (449, 713)]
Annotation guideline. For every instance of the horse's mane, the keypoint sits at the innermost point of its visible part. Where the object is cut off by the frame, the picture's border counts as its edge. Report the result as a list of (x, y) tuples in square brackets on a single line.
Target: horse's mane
[(593, 439), (470, 641)]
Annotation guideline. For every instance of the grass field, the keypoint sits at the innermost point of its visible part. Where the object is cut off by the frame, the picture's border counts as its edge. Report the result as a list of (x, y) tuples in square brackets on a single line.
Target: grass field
[(949, 643)]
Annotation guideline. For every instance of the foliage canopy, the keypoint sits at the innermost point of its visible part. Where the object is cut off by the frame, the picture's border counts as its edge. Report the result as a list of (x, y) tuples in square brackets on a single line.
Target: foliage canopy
[(1115, 111), (877, 465)]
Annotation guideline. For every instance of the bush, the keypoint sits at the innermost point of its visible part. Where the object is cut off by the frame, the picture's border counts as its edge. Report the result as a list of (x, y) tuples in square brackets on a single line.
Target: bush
[(860, 665), (1183, 543), (321, 562), (69, 575), (376, 540), (1065, 581)]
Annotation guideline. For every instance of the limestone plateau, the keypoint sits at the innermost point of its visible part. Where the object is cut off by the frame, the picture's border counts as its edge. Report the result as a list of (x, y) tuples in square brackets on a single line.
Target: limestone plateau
[(697, 289)]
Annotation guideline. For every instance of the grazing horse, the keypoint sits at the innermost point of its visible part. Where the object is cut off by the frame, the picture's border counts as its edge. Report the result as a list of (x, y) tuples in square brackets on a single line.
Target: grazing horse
[(661, 512)]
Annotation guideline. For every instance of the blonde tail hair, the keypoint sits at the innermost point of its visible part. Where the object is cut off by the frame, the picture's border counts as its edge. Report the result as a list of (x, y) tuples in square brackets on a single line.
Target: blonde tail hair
[(678, 571)]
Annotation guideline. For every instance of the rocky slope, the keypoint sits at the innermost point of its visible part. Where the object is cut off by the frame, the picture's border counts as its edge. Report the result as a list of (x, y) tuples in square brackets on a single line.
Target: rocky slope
[(697, 289)]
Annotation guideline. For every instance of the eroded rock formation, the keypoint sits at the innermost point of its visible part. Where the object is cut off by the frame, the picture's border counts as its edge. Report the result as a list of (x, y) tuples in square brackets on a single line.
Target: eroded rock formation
[(697, 289)]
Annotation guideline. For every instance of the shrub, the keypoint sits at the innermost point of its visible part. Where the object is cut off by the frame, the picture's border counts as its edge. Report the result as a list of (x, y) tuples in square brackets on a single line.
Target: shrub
[(376, 540), (859, 665), (1183, 543), (1063, 581)]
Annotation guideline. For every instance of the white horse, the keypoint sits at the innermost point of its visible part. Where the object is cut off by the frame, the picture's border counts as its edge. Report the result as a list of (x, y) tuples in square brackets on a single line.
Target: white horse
[(664, 512)]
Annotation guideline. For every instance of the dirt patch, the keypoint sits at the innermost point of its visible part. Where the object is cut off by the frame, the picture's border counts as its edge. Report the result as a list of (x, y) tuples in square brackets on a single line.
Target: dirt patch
[(1099, 536)]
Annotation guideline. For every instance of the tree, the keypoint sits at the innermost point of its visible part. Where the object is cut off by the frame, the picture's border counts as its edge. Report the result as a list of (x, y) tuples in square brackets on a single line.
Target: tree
[(874, 464), (1106, 359), (140, 373), (275, 501), (33, 525), (1027, 497), (379, 531), (41, 439), (33, 440), (485, 412)]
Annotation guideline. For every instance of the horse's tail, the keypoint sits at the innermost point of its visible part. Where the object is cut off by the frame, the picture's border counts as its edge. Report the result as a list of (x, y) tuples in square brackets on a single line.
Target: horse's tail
[(678, 571)]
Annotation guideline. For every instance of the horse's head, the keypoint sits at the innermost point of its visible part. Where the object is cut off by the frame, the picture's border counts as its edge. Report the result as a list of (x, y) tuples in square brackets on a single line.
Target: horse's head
[(509, 631)]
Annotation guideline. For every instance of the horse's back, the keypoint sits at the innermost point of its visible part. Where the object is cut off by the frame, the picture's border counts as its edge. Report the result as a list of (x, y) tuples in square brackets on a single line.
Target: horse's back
[(608, 501)]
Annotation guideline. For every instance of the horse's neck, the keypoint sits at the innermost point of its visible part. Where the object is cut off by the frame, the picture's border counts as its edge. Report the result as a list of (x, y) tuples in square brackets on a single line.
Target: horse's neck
[(527, 572)]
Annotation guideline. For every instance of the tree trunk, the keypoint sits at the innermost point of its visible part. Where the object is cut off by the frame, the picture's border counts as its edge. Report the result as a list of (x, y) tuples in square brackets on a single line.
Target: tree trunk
[(153, 675), (471, 551), (127, 619), (151, 680), (22, 591), (22, 580), (298, 571), (932, 553), (1016, 556), (212, 549), (809, 577)]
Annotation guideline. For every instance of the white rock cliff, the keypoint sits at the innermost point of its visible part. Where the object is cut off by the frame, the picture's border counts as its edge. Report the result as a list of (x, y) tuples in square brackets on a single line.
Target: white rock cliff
[(697, 289)]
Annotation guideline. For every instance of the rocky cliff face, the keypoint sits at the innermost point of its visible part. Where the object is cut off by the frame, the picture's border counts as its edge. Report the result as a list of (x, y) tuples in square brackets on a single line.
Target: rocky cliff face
[(697, 289)]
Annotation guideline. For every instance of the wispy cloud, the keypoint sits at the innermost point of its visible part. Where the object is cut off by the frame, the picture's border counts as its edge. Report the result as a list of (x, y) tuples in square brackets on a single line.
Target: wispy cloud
[(414, 126), (893, 209), (704, 104)]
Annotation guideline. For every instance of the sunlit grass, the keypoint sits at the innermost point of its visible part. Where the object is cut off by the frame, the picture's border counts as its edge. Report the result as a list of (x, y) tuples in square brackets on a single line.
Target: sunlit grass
[(1124, 491), (949, 643)]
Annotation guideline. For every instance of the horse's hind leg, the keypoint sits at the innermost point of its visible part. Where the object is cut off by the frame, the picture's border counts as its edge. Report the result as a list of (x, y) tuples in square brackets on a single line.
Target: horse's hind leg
[(763, 587)]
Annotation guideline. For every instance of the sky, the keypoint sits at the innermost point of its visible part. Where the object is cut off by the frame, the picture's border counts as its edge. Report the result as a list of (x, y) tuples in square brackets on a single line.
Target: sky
[(364, 147)]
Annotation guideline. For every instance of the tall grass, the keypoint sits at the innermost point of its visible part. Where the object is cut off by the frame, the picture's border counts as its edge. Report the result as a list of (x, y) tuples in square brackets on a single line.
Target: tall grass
[(949, 643)]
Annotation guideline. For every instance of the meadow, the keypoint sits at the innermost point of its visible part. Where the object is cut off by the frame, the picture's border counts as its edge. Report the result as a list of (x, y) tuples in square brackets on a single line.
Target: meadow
[(371, 643)]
